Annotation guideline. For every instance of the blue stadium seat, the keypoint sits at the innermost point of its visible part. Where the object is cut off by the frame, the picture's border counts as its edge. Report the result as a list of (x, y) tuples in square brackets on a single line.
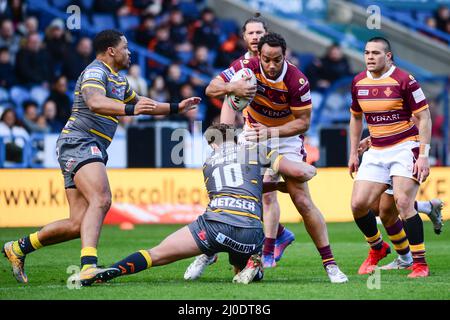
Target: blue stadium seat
[(61, 4), (4, 94), (189, 9), (305, 59), (423, 15), (103, 21), (128, 22), (228, 26), (19, 95), (87, 4), (185, 56)]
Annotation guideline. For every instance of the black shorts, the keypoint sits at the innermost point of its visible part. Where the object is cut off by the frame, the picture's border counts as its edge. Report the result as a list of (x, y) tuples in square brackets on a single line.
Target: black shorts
[(214, 236), (74, 152)]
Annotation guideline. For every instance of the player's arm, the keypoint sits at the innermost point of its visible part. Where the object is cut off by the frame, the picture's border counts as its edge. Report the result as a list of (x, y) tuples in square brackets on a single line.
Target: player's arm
[(161, 108), (95, 98), (259, 132), (422, 166), (356, 126), (218, 88), (295, 127), (227, 115), (364, 145)]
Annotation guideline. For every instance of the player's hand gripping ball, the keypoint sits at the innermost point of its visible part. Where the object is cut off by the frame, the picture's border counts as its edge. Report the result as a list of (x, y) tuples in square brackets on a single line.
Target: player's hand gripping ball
[(239, 103)]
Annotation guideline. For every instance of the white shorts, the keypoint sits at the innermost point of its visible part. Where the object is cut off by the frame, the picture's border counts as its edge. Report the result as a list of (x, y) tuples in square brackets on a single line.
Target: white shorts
[(290, 147), (380, 165)]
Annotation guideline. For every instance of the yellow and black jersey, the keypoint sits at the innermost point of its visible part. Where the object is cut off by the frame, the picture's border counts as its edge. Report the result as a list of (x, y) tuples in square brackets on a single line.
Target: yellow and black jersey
[(85, 122), (234, 181)]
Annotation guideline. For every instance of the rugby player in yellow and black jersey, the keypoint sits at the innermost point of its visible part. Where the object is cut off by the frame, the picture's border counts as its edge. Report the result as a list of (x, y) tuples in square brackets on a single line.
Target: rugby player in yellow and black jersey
[(232, 220), (101, 95)]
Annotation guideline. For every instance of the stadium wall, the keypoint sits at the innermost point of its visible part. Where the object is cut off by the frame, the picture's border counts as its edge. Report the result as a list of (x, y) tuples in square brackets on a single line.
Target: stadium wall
[(33, 197)]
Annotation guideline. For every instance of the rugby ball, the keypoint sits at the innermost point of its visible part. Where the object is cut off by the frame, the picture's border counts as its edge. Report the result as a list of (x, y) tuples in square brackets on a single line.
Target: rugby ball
[(239, 103)]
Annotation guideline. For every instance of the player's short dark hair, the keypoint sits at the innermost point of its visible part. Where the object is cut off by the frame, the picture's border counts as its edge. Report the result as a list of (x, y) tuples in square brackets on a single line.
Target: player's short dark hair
[(274, 40), (387, 44), (220, 132), (255, 19), (105, 39)]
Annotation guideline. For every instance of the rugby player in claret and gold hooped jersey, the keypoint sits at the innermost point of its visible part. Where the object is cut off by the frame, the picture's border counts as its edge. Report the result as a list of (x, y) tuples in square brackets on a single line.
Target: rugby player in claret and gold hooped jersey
[(278, 115), (388, 97), (101, 94), (277, 236)]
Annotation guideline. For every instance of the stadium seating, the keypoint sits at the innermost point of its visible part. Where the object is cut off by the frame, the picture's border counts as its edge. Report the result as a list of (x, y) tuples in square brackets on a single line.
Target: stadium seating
[(102, 21), (127, 23)]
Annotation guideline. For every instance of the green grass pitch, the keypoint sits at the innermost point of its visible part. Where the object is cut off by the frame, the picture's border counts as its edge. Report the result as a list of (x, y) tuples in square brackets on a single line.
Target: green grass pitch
[(299, 275)]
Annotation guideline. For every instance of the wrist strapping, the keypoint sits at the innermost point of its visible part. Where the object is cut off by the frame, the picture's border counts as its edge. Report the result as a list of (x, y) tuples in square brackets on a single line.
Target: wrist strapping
[(129, 109), (174, 107)]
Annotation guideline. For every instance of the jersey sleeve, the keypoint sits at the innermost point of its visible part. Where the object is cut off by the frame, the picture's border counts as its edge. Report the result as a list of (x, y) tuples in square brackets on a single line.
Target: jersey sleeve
[(130, 94), (227, 74), (355, 108), (414, 96), (301, 94), (94, 77)]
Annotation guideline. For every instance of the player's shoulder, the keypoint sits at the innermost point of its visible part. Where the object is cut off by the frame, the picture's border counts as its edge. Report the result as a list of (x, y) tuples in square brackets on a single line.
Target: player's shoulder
[(251, 63), (294, 77), (95, 69), (238, 60), (402, 76), (360, 76)]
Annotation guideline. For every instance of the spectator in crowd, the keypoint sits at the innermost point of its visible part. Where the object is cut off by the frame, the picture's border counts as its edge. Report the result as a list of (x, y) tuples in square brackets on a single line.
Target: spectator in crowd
[(49, 111), (17, 13), (146, 30), (59, 96), (162, 43), (30, 25), (229, 51), (200, 61), (31, 116), (14, 135), (158, 90), (7, 74), (8, 38), (174, 81), (207, 30), (179, 32), (79, 59), (32, 62), (324, 71), (57, 42), (137, 83), (442, 16)]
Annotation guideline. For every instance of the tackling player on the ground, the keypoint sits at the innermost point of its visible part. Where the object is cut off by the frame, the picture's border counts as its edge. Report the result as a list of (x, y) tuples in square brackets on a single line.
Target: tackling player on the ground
[(280, 113), (101, 94), (388, 97), (232, 221)]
